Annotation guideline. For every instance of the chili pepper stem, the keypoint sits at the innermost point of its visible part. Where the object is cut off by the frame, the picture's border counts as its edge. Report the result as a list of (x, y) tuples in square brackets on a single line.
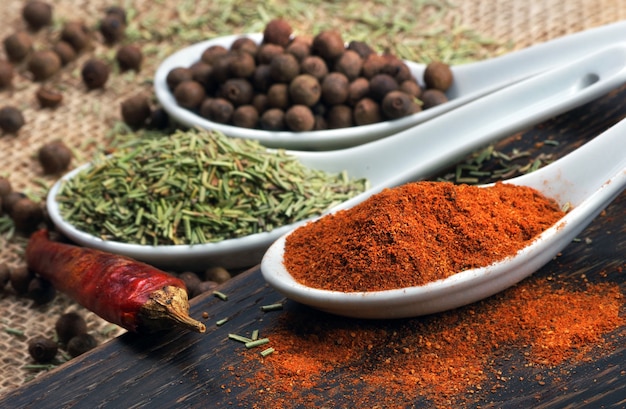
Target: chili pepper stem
[(166, 306)]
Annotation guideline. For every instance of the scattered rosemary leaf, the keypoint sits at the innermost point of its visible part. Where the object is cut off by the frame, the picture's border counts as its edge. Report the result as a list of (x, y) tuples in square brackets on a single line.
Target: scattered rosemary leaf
[(221, 322), (220, 295), (239, 338), (256, 343), (267, 351)]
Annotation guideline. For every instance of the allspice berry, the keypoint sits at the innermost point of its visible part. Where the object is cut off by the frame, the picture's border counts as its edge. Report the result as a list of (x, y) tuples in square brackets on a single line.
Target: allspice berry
[(54, 157), (75, 34), (189, 94), (49, 97), (80, 344), (328, 44), (261, 78), (177, 75), (44, 64), (217, 110), (112, 28), (339, 116), (277, 31), (5, 187), (159, 119), (438, 75), (17, 46), (411, 87), (95, 73), (20, 279), (192, 282), (217, 274), (238, 91), (367, 111), (300, 47), (267, 51), (357, 90), (315, 66), (335, 88), (136, 110), (433, 97), (37, 14), (213, 53), (278, 96), (11, 119), (27, 215), (397, 104), (273, 120), (284, 67), (305, 89), (129, 57), (41, 291), (299, 118), (117, 11), (42, 349), (70, 325), (6, 73), (245, 44), (381, 85), (361, 48), (10, 199), (350, 64), (241, 64), (246, 116), (65, 51)]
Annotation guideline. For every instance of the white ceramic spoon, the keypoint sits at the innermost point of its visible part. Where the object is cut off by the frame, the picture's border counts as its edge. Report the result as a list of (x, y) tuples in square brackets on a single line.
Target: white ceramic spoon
[(412, 154), (588, 179), (471, 81)]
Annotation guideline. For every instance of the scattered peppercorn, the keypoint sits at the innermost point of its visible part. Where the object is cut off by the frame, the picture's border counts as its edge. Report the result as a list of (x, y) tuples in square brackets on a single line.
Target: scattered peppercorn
[(329, 45), (246, 116), (112, 28), (69, 325), (117, 11), (95, 73), (41, 291), (217, 274), (189, 94), (54, 157), (65, 51), (44, 64), (42, 349), (76, 34), (11, 119), (397, 104), (6, 73), (17, 46), (206, 286), (20, 279), (277, 31), (26, 215), (129, 57), (438, 75), (299, 118), (80, 344), (5, 187), (48, 97), (10, 199), (136, 110), (367, 111), (432, 97), (37, 14)]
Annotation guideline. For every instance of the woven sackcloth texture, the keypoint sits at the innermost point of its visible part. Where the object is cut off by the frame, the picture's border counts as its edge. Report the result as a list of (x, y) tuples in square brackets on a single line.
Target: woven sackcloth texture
[(85, 118)]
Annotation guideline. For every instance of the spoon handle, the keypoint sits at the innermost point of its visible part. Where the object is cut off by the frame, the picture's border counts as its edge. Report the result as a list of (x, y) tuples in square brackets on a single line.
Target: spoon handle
[(421, 151)]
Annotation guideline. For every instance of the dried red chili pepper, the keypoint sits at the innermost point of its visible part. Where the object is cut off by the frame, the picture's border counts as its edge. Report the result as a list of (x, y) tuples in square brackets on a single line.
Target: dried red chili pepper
[(123, 291)]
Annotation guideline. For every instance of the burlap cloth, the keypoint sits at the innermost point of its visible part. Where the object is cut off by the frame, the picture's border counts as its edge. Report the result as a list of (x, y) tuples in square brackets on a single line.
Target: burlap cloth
[(85, 119)]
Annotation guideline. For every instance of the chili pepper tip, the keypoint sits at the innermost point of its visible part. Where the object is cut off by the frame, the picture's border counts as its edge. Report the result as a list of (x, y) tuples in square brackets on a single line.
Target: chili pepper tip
[(166, 307)]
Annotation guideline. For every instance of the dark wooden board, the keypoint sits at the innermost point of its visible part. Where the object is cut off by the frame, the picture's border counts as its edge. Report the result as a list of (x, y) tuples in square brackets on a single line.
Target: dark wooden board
[(176, 369)]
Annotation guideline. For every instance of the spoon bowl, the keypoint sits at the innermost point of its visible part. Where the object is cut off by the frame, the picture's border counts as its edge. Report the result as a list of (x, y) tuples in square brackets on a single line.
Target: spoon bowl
[(412, 154), (471, 81), (588, 192)]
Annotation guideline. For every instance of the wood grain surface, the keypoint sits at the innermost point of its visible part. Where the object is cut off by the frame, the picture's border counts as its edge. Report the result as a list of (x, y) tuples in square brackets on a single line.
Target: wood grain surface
[(192, 370)]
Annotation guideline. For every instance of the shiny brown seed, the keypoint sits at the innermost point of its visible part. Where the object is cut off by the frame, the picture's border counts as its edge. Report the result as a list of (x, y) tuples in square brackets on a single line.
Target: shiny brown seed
[(277, 31), (69, 325), (267, 51), (299, 49), (241, 64), (438, 75), (245, 44), (49, 97), (26, 215), (273, 120), (397, 104), (54, 157), (129, 57), (201, 72), (432, 97), (20, 279), (11, 119), (42, 349), (189, 94), (381, 85), (411, 87), (367, 111), (305, 89), (361, 48), (261, 78), (112, 28), (65, 52), (335, 88), (80, 344), (217, 110), (10, 199), (284, 67), (192, 282), (41, 291), (328, 44), (5, 187), (177, 75), (299, 118), (217, 274), (17, 46), (76, 34), (278, 96), (315, 66), (357, 90), (136, 110), (213, 54), (6, 73), (95, 73), (246, 116), (44, 64), (238, 91), (350, 64), (37, 14), (339, 116)]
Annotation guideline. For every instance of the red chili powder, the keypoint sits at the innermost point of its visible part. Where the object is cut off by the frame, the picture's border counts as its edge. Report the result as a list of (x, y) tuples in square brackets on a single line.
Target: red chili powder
[(417, 233), (448, 358)]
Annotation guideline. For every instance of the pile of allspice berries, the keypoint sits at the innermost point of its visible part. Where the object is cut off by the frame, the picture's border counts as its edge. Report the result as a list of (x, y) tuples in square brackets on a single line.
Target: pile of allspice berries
[(304, 83)]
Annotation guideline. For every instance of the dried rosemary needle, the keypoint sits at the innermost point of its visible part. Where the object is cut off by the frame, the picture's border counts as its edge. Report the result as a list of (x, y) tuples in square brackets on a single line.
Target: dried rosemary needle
[(196, 187)]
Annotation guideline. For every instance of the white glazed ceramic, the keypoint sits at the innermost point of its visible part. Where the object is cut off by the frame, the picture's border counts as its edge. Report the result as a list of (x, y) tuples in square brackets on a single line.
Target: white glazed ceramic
[(412, 154), (471, 81), (588, 189)]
